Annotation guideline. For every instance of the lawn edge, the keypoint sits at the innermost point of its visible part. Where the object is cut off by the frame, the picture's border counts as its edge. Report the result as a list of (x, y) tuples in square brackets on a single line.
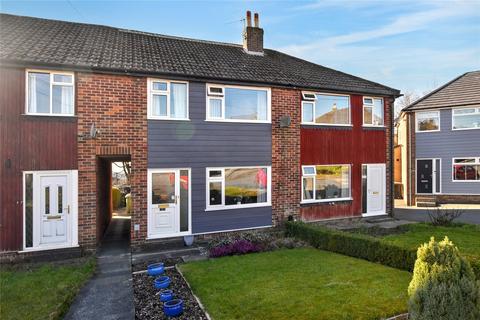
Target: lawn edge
[(193, 293), (67, 303)]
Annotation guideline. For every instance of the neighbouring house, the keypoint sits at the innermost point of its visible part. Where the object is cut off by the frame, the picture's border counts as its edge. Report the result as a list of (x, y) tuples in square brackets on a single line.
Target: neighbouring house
[(220, 137), (440, 136)]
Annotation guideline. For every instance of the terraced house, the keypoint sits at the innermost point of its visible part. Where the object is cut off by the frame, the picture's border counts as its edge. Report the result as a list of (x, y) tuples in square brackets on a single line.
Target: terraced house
[(221, 137)]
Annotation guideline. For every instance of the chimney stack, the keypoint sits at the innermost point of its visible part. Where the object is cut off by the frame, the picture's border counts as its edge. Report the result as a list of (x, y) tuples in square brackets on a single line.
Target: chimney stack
[(253, 35)]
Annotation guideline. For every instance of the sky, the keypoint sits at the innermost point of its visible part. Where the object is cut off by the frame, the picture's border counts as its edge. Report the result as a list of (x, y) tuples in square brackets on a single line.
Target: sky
[(411, 45)]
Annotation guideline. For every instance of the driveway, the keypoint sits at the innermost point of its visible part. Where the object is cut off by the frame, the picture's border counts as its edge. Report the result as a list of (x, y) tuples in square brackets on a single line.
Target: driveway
[(417, 214)]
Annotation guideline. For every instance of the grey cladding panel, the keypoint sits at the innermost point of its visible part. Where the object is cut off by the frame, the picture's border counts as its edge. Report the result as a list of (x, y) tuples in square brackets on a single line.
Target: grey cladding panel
[(198, 144), (447, 144)]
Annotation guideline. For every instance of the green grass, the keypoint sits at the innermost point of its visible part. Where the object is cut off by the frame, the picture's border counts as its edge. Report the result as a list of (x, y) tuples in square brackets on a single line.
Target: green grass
[(297, 284), (43, 292), (465, 236)]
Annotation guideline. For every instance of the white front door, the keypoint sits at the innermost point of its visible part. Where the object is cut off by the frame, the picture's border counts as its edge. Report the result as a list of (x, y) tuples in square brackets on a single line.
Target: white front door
[(54, 209), (50, 209), (169, 203), (375, 189)]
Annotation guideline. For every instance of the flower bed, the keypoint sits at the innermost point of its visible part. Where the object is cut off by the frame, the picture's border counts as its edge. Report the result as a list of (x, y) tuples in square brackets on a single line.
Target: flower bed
[(147, 298), (250, 242)]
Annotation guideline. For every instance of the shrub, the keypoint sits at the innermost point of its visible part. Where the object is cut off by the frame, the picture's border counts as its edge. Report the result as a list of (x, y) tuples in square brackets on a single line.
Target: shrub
[(353, 244), (240, 246), (443, 284), (247, 242), (443, 217), (361, 246)]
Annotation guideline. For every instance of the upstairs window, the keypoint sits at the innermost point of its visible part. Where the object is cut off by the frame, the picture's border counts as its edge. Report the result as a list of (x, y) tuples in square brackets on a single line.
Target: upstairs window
[(427, 121), (326, 109), (326, 183), (373, 112), (466, 169), (238, 104), (50, 93), (167, 99), (467, 118)]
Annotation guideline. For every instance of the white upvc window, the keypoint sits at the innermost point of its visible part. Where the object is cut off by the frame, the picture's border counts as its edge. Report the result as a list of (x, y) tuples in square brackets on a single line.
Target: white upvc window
[(427, 121), (238, 104), (50, 93), (466, 169), (326, 183), (373, 112), (167, 100), (326, 109), (238, 187), (466, 118)]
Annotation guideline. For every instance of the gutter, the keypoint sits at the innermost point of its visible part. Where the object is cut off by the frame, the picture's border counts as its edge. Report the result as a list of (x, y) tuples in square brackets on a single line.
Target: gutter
[(176, 76)]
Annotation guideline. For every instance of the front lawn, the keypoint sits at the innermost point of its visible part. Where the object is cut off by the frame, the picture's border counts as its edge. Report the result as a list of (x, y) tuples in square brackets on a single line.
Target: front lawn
[(41, 292), (465, 236), (297, 284)]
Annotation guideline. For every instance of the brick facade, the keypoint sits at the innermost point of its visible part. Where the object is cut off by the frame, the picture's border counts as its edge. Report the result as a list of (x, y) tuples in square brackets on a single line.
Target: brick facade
[(411, 164), (117, 105), (286, 177), (458, 198)]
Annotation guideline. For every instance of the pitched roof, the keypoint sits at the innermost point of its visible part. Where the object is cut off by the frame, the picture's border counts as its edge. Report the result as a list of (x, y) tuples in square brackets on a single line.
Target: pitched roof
[(461, 91), (31, 41)]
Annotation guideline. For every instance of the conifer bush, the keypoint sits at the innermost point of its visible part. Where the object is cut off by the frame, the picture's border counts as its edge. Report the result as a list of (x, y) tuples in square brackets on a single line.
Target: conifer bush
[(443, 286)]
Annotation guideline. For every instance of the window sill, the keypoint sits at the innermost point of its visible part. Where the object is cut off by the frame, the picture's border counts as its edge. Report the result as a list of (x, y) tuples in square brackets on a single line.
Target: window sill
[(372, 127), (168, 119), (468, 181), (465, 129), (32, 116), (327, 126), (245, 206), (325, 201), (238, 121), (427, 131)]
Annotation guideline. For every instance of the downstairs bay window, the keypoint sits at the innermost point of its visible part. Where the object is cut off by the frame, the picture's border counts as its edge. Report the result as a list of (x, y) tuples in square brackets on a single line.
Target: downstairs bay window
[(466, 169), (229, 188), (325, 183)]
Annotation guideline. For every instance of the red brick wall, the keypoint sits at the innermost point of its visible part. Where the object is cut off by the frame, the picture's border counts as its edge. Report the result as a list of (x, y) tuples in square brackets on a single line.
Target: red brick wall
[(411, 163), (285, 154), (118, 107)]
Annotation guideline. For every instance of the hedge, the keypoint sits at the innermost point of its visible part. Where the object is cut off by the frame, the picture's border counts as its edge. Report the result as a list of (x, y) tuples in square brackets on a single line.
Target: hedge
[(360, 246)]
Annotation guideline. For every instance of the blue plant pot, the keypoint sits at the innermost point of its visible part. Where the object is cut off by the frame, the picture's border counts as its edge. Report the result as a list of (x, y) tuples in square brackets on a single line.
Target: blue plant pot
[(155, 269), (173, 308), (166, 295), (162, 282)]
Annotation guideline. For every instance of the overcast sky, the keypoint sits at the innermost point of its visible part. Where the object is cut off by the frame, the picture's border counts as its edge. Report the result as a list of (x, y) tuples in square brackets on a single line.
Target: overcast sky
[(409, 45)]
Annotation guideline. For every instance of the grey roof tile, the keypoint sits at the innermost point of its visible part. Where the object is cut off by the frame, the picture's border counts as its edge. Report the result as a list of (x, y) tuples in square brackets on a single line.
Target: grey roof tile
[(461, 91), (27, 40)]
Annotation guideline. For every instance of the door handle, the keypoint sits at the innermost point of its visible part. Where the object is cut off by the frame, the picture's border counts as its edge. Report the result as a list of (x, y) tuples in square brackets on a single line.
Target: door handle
[(67, 208)]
